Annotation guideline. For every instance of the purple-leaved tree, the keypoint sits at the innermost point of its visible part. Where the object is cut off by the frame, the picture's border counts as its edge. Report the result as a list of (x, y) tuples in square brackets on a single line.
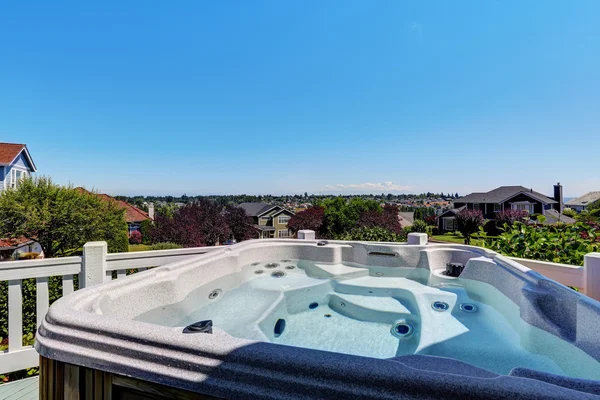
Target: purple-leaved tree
[(468, 222)]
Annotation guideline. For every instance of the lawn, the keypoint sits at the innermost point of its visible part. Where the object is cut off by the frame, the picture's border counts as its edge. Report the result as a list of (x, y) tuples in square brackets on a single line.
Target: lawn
[(138, 247), (457, 238)]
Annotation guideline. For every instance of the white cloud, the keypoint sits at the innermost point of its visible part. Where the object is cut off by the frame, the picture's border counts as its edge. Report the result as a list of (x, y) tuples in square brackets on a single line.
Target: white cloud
[(385, 187)]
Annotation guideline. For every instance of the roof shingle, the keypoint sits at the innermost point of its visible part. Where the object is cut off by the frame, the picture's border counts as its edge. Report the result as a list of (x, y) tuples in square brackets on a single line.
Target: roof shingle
[(132, 213), (503, 193), (9, 151), (584, 200)]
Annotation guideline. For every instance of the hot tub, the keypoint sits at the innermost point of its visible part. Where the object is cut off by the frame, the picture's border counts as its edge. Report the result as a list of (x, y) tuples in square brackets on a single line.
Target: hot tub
[(288, 319)]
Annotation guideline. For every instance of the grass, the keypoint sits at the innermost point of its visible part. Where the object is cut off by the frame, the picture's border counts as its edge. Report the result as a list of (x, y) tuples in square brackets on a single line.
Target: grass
[(139, 247), (456, 237)]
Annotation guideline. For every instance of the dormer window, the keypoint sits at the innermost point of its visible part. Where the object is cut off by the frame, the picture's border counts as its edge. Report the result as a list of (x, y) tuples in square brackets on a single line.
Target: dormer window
[(523, 206)]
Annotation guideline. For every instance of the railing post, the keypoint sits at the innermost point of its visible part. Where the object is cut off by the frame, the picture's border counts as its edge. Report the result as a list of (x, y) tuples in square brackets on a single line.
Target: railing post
[(306, 234), (93, 269), (591, 275), (417, 238)]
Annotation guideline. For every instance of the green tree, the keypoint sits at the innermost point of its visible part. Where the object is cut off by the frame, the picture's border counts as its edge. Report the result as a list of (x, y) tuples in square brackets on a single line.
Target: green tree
[(61, 219), (146, 231), (342, 216)]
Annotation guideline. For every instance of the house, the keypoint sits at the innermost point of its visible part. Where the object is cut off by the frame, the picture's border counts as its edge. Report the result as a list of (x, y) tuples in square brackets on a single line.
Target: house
[(15, 164), (133, 215), (11, 249), (502, 198), (447, 220), (268, 220), (581, 203)]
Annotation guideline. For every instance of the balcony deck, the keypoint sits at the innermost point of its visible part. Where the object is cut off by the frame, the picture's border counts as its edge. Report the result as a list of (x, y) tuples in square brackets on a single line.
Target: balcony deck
[(24, 389)]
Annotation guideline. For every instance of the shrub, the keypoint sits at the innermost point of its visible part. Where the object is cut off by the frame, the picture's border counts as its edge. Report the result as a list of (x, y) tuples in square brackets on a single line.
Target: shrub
[(490, 228), (431, 220), (419, 226), (468, 222), (375, 234), (28, 256), (165, 246), (135, 237), (119, 242), (509, 217), (569, 212), (556, 243)]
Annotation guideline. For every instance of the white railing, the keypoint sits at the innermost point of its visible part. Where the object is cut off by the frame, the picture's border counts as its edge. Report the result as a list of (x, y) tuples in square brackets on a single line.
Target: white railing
[(95, 266)]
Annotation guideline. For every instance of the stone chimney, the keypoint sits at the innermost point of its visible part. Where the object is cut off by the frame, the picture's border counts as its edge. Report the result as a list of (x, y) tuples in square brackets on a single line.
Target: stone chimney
[(558, 196), (151, 210)]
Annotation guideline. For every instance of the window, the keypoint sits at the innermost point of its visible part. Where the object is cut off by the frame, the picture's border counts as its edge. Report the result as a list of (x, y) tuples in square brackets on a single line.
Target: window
[(523, 207), (283, 219), (497, 207), (476, 206), (283, 233), (449, 224), (16, 176), (265, 219), (133, 227)]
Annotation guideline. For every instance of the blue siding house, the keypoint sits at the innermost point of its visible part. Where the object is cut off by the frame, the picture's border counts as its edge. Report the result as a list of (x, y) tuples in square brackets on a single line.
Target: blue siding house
[(15, 164)]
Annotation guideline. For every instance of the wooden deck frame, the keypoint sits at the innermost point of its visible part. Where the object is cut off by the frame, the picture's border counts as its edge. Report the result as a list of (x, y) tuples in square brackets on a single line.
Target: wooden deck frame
[(60, 380)]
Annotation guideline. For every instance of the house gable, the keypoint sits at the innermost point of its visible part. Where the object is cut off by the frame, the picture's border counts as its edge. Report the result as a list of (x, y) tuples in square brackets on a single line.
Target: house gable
[(22, 162), (12, 154)]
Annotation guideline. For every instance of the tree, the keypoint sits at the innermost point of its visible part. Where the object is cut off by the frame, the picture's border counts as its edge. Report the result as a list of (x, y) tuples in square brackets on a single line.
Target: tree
[(197, 224), (342, 216), (311, 218), (468, 222), (200, 224), (146, 231), (61, 219), (386, 218), (238, 222)]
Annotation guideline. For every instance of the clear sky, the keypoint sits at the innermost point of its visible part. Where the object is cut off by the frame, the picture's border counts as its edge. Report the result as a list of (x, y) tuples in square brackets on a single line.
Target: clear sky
[(209, 97)]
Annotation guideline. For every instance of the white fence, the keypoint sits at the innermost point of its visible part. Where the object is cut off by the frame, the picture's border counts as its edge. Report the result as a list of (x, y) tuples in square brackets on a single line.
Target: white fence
[(96, 266)]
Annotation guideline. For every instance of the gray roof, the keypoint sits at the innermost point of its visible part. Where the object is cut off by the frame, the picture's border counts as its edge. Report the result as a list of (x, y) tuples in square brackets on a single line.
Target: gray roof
[(584, 200), (553, 217), (255, 209), (503, 193), (408, 216), (263, 227), (453, 211)]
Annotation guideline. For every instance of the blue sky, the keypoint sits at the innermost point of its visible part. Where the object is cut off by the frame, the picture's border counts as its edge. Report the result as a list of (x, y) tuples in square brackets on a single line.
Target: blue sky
[(204, 97)]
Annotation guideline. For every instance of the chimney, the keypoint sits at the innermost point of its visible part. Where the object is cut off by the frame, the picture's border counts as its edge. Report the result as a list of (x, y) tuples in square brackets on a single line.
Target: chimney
[(151, 211), (558, 196)]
